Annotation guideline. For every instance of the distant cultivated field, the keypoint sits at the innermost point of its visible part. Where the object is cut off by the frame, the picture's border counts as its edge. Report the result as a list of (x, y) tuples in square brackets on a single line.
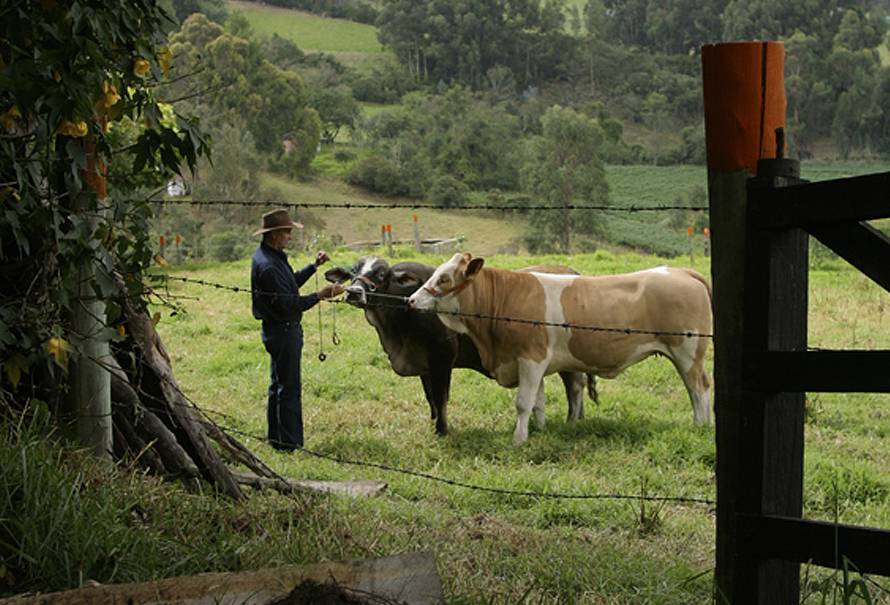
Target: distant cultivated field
[(349, 41), (662, 233)]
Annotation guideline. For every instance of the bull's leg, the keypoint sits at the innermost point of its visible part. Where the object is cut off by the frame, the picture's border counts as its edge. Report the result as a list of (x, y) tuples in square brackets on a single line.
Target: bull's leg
[(530, 376), (427, 381), (574, 383), (689, 359), (591, 390), (540, 400), (440, 379)]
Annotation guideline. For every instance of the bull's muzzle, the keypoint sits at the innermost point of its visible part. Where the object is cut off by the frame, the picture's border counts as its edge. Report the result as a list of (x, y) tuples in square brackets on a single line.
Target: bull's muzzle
[(357, 295)]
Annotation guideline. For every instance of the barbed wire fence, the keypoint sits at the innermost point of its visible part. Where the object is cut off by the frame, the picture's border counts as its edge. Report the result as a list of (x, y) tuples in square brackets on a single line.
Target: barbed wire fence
[(631, 208), (550, 495), (229, 424), (231, 421)]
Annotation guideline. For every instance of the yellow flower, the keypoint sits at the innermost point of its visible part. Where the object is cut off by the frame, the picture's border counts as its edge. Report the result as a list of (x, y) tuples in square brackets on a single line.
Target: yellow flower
[(121, 330), (58, 348), (9, 117), (141, 67), (165, 59), (109, 94), (73, 129)]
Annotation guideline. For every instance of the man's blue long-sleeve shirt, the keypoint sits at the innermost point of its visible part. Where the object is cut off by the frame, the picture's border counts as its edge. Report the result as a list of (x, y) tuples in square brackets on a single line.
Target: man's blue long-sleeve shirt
[(276, 296)]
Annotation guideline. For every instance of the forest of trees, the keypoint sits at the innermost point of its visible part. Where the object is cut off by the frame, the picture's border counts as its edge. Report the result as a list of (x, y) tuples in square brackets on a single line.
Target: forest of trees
[(476, 85)]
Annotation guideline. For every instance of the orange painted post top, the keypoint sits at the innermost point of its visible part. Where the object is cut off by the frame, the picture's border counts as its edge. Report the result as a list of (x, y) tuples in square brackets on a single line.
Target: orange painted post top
[(178, 239), (414, 217), (744, 97), (690, 231), (707, 232), (162, 240)]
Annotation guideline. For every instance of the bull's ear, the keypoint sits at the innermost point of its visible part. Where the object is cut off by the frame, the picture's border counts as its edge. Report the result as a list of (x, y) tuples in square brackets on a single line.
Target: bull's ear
[(338, 275), (406, 278), (474, 266)]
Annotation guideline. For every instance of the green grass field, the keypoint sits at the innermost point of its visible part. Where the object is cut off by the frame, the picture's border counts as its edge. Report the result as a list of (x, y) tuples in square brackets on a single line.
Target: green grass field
[(495, 549), (352, 43)]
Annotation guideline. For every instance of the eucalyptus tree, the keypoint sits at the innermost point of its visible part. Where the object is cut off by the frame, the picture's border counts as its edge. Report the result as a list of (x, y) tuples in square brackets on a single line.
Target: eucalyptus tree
[(230, 80), (563, 167)]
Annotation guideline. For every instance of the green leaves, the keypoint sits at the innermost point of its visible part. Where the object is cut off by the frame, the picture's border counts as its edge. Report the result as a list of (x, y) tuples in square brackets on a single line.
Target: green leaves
[(66, 68)]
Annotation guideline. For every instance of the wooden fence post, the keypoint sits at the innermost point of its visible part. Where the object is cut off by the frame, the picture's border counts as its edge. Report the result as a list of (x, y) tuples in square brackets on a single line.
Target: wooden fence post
[(90, 381), (744, 104), (416, 233)]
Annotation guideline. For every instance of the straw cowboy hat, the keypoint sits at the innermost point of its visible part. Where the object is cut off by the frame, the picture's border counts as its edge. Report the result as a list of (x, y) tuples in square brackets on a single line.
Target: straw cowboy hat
[(277, 219)]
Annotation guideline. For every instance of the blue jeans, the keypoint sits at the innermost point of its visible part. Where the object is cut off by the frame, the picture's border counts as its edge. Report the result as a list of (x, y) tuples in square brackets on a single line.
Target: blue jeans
[(284, 343)]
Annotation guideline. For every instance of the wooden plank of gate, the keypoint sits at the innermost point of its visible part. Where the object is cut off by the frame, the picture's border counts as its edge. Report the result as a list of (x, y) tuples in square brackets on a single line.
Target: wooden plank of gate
[(410, 578)]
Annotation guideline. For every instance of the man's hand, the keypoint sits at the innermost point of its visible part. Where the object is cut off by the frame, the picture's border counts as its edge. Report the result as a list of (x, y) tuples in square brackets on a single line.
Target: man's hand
[(321, 258), (330, 291)]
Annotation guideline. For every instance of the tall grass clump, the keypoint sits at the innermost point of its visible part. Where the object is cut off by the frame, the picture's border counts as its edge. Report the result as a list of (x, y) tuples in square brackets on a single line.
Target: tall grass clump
[(66, 518)]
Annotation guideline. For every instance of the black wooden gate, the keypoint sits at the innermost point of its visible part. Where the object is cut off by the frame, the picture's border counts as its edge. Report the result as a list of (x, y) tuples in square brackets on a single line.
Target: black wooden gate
[(763, 368)]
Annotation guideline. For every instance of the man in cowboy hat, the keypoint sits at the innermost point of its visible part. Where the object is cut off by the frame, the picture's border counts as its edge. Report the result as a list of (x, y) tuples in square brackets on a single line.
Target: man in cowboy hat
[(278, 303)]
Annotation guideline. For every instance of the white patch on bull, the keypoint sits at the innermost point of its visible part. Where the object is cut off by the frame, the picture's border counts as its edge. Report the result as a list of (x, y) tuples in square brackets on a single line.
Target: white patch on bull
[(452, 322), (531, 374), (558, 357), (369, 264), (424, 301), (661, 269)]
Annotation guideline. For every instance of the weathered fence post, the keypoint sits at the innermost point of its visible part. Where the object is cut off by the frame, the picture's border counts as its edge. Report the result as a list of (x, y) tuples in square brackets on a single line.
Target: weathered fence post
[(744, 104), (389, 240), (90, 381), (416, 233)]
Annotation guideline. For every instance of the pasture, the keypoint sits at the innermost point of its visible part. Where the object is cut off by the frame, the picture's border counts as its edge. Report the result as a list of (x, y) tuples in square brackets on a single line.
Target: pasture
[(494, 548), (352, 43)]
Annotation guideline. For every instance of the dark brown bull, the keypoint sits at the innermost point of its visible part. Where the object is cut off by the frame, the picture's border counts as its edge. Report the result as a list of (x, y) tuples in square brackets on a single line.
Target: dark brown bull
[(419, 344)]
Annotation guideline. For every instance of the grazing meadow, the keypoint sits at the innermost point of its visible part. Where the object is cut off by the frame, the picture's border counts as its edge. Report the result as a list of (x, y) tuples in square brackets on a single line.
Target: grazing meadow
[(491, 548), (495, 548)]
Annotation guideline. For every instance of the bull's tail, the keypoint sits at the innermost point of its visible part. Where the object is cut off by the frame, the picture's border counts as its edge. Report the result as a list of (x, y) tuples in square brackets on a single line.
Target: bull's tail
[(701, 278), (591, 388)]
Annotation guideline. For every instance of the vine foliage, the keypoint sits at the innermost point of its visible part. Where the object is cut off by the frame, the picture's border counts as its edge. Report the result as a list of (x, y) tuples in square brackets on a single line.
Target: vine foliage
[(78, 95)]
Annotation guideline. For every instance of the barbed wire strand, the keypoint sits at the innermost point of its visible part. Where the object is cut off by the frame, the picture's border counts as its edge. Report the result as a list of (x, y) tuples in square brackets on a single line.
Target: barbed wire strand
[(426, 206), (421, 474), (532, 322)]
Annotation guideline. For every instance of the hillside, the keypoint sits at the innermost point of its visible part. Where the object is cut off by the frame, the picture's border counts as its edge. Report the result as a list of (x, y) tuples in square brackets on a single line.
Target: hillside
[(487, 234), (351, 43)]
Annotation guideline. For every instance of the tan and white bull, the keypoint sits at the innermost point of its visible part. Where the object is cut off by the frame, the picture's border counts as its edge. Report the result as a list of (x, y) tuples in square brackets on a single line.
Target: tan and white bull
[(659, 311)]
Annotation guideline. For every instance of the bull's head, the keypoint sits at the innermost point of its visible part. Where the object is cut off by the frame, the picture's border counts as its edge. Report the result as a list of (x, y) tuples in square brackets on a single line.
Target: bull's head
[(447, 281), (372, 282)]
